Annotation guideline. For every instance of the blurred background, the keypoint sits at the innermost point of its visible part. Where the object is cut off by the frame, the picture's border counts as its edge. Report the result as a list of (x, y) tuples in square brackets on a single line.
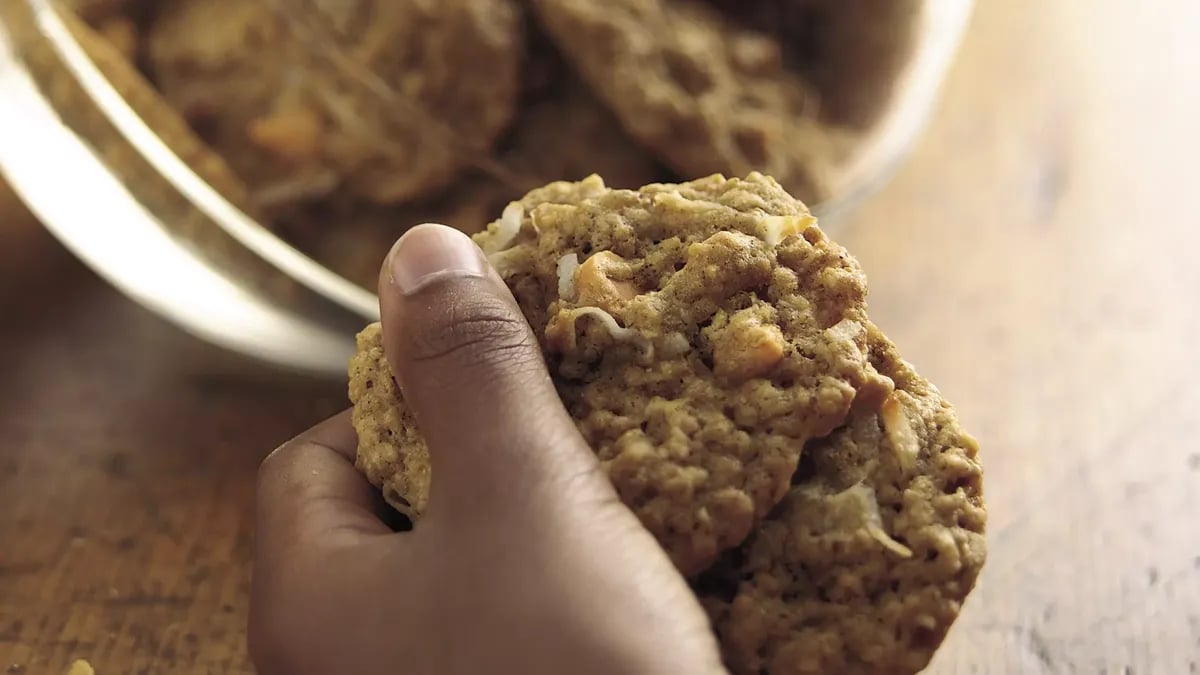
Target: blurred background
[(1032, 250)]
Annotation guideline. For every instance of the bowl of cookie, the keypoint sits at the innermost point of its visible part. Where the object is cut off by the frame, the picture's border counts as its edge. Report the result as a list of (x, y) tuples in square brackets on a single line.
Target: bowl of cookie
[(645, 175), (241, 167)]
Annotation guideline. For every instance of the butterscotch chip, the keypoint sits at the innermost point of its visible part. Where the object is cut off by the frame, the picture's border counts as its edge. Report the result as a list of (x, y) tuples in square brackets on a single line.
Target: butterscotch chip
[(384, 100), (865, 564), (699, 455)]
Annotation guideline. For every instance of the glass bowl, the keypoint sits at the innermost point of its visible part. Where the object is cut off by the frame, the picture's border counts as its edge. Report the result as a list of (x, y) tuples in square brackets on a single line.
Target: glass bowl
[(126, 184)]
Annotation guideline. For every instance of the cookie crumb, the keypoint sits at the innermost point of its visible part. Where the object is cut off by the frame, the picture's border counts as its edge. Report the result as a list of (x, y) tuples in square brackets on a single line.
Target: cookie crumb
[(81, 667)]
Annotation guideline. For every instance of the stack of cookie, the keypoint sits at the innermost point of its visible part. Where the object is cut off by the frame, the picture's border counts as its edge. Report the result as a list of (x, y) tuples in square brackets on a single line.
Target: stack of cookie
[(376, 114), (713, 346)]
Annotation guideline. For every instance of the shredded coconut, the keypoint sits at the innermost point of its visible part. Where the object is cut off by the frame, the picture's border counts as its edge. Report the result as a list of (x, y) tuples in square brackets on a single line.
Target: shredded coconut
[(568, 265), (890, 544), (675, 345), (563, 327), (873, 520), (848, 330), (616, 330), (507, 229), (506, 262), (900, 433), (291, 190)]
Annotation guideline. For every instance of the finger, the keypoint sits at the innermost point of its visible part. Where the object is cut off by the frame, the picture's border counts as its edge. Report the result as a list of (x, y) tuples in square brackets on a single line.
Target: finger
[(310, 496), (471, 369), (318, 537)]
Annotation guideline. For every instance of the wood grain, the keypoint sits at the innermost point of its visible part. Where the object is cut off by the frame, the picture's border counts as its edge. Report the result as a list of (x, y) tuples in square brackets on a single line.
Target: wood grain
[(1036, 257), (127, 469)]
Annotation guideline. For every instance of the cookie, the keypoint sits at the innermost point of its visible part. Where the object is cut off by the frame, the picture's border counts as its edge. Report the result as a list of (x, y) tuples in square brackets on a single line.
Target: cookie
[(707, 94), (855, 85), (351, 238), (571, 135), (386, 101), (160, 196), (561, 133), (699, 334), (559, 137), (564, 132), (865, 564), (850, 52), (391, 452)]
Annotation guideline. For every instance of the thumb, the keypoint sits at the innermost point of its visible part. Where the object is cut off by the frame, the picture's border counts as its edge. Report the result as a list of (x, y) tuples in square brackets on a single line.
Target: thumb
[(500, 440)]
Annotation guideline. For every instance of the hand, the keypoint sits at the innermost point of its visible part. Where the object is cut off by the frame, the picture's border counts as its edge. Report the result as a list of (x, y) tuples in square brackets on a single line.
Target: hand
[(525, 562)]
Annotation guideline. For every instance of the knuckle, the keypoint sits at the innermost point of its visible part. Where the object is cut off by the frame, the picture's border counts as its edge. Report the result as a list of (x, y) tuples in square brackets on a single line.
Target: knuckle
[(474, 332)]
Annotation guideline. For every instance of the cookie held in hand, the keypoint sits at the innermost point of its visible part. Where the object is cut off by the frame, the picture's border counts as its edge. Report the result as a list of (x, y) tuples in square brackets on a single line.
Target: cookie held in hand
[(713, 348), (865, 564), (699, 334)]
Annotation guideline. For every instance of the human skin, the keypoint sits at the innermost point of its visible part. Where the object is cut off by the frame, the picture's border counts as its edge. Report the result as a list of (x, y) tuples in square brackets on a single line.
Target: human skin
[(525, 562)]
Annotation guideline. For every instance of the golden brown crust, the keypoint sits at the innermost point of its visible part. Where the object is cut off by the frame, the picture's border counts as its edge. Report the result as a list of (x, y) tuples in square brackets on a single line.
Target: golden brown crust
[(865, 564), (698, 455), (391, 453)]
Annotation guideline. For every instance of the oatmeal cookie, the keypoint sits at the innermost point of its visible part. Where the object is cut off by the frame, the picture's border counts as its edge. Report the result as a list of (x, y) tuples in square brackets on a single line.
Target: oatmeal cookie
[(351, 238), (564, 132), (865, 564), (563, 137), (385, 100), (557, 138), (391, 451), (850, 52), (705, 93), (561, 133), (698, 333), (571, 135)]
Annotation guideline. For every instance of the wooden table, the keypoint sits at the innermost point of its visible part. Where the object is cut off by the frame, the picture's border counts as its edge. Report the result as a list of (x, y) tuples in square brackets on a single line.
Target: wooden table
[(1038, 257)]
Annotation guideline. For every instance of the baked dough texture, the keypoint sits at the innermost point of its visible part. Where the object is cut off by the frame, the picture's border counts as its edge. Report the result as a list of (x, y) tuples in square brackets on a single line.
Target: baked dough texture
[(712, 345), (865, 564), (383, 100), (699, 334)]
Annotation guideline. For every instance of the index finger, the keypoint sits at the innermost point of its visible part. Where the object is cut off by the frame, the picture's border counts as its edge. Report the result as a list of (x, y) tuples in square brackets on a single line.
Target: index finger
[(310, 496)]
